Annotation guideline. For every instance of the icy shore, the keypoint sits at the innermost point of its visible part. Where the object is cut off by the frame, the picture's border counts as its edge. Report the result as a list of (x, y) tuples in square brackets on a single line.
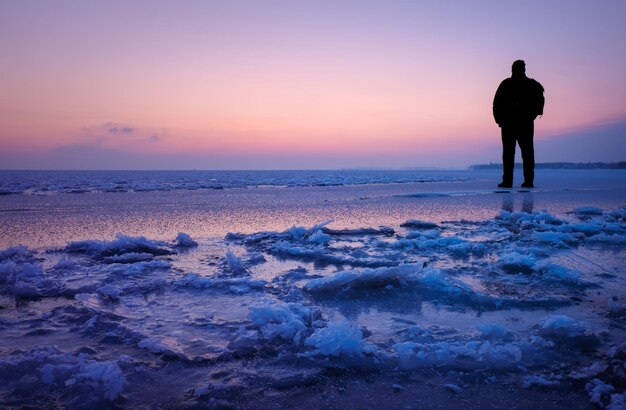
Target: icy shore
[(525, 299)]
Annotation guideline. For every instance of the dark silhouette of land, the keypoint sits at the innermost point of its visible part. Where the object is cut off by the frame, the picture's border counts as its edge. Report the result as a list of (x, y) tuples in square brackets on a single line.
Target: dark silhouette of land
[(558, 165), (518, 101)]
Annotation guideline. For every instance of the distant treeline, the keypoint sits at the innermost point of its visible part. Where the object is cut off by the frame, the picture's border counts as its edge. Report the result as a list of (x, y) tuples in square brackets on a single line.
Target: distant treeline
[(559, 165)]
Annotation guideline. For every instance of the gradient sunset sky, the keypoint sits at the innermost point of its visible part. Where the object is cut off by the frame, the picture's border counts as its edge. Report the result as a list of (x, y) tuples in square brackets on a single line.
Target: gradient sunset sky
[(301, 84)]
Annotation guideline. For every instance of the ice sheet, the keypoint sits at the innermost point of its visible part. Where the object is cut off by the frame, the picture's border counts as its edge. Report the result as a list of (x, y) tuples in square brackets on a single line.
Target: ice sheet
[(529, 297)]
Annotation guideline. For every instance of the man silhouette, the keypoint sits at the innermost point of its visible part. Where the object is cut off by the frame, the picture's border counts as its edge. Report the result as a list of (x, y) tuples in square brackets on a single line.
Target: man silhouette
[(518, 101)]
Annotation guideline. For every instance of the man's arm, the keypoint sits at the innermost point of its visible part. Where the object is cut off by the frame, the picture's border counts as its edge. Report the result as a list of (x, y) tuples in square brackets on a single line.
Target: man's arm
[(541, 100), (498, 101)]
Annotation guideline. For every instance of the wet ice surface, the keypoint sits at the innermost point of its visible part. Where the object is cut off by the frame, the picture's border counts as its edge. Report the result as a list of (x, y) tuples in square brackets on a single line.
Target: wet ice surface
[(400, 291)]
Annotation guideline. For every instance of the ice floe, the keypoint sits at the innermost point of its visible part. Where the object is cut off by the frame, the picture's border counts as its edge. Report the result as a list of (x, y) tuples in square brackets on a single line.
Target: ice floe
[(288, 322), (339, 339), (93, 383), (122, 245), (183, 240)]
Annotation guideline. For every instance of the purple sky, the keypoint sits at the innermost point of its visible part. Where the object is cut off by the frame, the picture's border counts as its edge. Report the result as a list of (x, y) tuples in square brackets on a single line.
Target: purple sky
[(294, 84)]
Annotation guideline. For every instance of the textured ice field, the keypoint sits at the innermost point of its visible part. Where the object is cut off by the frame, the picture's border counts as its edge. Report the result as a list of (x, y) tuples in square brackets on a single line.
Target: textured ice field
[(426, 295), (54, 182)]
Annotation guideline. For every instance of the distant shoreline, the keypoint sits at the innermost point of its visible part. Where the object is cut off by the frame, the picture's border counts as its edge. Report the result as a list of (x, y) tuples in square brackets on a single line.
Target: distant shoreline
[(558, 165)]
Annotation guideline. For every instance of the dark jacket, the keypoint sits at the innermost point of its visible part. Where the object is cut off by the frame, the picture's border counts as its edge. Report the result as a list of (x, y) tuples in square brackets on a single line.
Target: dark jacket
[(518, 99)]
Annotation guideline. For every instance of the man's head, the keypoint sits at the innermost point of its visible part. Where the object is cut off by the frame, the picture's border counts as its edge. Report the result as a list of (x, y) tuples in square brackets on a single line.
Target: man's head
[(519, 67)]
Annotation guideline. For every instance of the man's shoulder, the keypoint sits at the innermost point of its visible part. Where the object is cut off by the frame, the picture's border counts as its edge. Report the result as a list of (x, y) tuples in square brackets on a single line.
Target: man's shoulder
[(536, 83), (505, 83)]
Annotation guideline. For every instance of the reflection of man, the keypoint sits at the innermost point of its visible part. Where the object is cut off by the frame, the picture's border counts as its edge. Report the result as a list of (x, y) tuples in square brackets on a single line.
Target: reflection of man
[(528, 202), (518, 101)]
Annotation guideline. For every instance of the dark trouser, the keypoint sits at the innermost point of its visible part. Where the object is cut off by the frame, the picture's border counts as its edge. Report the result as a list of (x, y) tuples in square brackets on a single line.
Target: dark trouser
[(521, 133)]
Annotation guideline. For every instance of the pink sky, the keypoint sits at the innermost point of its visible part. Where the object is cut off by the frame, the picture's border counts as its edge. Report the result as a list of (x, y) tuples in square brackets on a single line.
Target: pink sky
[(283, 84)]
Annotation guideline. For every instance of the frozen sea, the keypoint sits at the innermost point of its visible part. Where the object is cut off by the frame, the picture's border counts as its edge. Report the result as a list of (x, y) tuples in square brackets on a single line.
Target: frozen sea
[(312, 289)]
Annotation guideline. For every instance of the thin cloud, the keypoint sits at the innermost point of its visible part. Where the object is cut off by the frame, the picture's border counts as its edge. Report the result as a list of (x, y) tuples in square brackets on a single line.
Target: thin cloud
[(118, 136), (151, 138), (121, 130)]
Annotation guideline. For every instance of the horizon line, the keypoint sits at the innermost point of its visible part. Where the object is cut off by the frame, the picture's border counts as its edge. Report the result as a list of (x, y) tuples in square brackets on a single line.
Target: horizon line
[(417, 168)]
